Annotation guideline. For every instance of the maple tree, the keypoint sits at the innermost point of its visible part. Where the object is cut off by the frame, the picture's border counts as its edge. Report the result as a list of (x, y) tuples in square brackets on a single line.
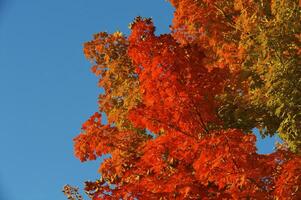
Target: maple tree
[(181, 106)]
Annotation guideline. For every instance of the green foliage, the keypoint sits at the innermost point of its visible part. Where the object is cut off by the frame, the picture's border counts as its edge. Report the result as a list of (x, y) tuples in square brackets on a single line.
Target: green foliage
[(270, 50), (116, 76)]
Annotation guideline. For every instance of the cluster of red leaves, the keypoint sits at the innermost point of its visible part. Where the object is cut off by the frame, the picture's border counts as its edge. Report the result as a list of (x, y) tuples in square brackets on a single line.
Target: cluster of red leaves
[(97, 140), (223, 164), (207, 25), (177, 90)]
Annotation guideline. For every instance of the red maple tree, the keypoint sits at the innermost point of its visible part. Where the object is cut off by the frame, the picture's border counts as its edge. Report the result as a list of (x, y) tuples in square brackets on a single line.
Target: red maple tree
[(164, 135)]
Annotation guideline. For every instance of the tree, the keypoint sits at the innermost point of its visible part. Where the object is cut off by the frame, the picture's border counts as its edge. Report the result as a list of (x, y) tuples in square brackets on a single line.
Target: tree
[(181, 106)]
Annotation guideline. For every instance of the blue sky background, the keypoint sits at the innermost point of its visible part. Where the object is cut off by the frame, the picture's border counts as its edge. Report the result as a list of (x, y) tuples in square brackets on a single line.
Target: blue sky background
[(47, 90)]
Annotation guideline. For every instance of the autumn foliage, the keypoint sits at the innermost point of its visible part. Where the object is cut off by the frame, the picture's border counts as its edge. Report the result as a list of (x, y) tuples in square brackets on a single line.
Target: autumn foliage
[(181, 106)]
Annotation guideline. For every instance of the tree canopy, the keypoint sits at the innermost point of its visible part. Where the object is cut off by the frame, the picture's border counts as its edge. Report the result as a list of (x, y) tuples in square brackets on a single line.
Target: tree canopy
[(181, 106)]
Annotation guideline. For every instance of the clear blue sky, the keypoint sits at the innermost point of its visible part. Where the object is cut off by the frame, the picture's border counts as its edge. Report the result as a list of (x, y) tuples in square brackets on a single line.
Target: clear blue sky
[(47, 90)]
